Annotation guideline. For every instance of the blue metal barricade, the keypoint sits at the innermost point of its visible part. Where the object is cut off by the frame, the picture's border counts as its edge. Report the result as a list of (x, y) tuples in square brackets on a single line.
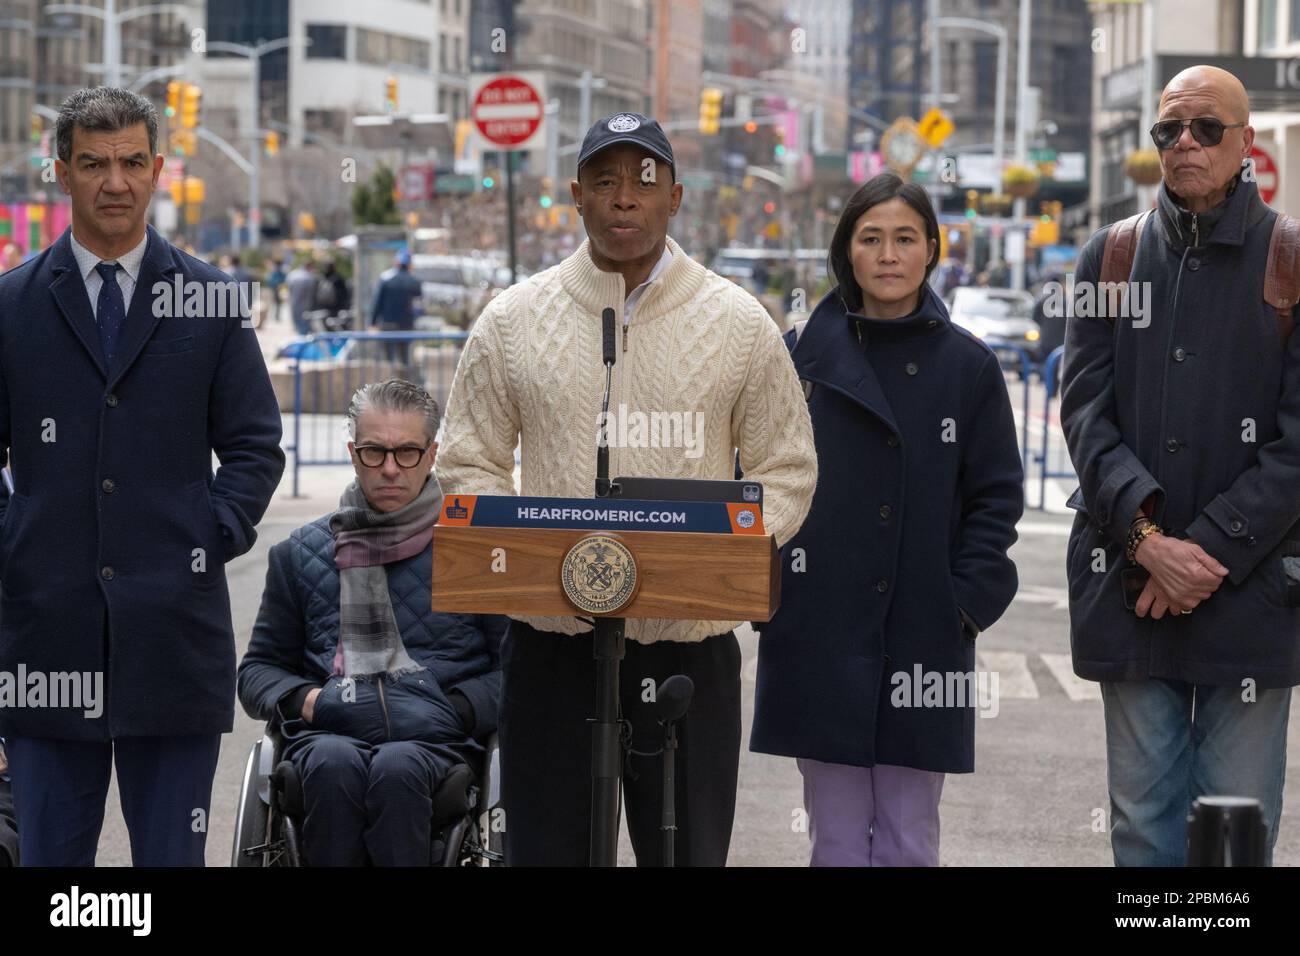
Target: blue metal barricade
[(328, 367), (1043, 457), (1026, 369)]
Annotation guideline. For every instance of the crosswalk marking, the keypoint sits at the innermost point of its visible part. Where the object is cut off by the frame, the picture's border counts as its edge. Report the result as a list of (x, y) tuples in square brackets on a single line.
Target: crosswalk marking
[(1043, 527), (1058, 598), (1076, 687), (1014, 679)]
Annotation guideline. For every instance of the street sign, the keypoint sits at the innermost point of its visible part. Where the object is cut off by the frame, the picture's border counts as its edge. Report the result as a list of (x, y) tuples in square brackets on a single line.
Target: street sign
[(454, 183), (1014, 250), (415, 183), (935, 127), (507, 109), (1264, 169)]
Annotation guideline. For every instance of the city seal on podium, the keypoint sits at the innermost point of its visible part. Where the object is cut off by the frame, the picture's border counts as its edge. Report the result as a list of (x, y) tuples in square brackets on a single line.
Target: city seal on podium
[(599, 574)]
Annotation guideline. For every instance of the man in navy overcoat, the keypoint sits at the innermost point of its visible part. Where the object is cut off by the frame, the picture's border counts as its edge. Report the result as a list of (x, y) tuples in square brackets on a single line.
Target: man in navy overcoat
[(115, 628)]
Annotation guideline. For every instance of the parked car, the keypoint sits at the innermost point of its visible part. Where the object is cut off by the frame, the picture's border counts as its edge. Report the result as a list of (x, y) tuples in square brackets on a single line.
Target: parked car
[(451, 286), (998, 316), (751, 267)]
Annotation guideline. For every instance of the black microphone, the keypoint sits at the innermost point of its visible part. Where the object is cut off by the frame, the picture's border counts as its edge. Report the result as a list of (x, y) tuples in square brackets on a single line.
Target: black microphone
[(602, 446), (607, 332), (673, 698)]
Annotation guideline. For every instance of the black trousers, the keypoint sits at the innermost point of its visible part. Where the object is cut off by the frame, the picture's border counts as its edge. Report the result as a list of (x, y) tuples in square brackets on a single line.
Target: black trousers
[(165, 785), (549, 695), (367, 804)]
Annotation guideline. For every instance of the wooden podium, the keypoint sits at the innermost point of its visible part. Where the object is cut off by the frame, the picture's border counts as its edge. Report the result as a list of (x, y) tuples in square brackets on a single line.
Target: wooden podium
[(608, 559)]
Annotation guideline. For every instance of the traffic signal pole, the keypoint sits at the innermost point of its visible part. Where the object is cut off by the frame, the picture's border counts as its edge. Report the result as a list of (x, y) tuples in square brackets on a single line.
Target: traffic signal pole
[(255, 157), (510, 211), (183, 226), (254, 54)]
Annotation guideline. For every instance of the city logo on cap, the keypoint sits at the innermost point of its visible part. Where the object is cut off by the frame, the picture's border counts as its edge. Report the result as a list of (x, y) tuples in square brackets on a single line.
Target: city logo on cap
[(623, 123)]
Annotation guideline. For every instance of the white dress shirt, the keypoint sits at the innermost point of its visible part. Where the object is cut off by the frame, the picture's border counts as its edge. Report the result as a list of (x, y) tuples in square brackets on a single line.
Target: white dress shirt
[(126, 275), (630, 305)]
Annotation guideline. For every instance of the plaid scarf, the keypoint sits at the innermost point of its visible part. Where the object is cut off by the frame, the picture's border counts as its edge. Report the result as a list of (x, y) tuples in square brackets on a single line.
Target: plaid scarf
[(364, 541)]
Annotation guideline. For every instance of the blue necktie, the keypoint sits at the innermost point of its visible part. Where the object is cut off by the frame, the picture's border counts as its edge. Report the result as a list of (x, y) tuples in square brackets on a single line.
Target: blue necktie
[(110, 311)]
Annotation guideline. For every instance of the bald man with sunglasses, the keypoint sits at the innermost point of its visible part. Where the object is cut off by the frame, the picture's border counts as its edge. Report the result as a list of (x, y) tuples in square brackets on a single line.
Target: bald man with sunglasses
[(1182, 415)]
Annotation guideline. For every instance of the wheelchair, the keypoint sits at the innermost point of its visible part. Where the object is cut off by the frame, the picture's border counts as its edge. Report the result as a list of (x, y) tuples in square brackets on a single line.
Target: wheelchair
[(268, 821)]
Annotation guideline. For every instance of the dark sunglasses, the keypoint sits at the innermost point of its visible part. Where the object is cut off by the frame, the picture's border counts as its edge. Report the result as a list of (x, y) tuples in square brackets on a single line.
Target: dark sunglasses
[(408, 456), (1206, 130)]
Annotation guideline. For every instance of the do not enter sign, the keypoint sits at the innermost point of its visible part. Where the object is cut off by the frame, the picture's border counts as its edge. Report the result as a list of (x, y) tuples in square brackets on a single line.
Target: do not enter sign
[(507, 109), (1264, 169)]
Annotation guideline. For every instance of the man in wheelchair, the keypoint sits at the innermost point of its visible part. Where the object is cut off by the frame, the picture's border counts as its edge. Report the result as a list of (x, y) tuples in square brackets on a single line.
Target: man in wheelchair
[(377, 696)]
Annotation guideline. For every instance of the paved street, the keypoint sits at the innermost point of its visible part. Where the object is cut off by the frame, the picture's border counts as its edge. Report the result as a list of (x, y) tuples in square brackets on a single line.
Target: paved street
[(1041, 773)]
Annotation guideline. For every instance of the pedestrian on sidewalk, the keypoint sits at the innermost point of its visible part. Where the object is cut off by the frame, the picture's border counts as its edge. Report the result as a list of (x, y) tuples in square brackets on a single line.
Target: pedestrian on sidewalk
[(902, 560), (1183, 422), (275, 278), (301, 283), (393, 310)]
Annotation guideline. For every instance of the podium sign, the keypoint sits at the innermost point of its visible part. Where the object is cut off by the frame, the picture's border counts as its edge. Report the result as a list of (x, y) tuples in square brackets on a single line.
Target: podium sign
[(547, 557)]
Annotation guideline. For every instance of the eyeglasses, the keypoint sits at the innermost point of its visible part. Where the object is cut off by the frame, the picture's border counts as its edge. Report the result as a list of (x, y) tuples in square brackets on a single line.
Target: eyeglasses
[(374, 456), (1206, 130)]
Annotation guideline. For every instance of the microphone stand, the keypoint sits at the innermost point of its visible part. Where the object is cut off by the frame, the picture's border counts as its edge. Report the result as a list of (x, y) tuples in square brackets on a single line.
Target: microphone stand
[(672, 700), (668, 819), (608, 650)]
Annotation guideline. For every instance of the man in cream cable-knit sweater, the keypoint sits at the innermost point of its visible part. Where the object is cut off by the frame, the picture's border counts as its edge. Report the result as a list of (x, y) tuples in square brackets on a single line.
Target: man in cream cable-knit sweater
[(688, 342)]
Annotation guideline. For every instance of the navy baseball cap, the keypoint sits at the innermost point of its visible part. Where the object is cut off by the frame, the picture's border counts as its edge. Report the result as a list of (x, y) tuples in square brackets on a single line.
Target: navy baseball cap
[(627, 128)]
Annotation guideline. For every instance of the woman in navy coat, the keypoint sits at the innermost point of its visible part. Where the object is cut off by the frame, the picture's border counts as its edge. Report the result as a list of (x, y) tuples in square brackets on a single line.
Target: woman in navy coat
[(867, 672)]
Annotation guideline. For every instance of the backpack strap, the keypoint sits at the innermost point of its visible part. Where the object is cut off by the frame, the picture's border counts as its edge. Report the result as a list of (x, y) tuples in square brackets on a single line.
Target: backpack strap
[(1282, 277), (1121, 248)]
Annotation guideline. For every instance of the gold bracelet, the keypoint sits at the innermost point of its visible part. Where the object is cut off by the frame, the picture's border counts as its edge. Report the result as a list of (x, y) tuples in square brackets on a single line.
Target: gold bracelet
[(1136, 536)]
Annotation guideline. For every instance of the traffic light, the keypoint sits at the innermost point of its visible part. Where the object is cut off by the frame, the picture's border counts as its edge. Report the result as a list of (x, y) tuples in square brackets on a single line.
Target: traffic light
[(778, 151), (184, 142), (272, 143), (191, 99), (173, 98), (751, 127), (972, 203), (390, 93), (192, 191), (769, 207), (710, 110), (547, 185), (1047, 231), (36, 128)]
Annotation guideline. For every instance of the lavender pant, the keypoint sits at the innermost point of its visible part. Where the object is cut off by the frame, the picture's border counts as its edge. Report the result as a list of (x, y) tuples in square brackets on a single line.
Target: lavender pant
[(871, 816)]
